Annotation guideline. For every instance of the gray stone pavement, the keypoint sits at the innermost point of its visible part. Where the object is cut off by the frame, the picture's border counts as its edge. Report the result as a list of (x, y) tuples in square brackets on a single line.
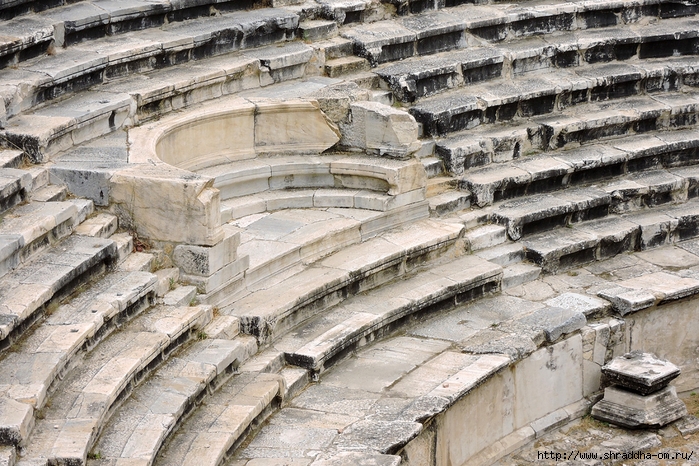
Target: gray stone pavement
[(590, 438)]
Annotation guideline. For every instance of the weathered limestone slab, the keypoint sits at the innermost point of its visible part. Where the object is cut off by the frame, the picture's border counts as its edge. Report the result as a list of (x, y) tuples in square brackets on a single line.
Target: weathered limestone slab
[(14, 187), (382, 130), (421, 77), (517, 213), (16, 421), (285, 62), (485, 236), (631, 410), (643, 373), (441, 115), (626, 300), (227, 274), (664, 286), (461, 153), (293, 127), (588, 305), (553, 322), (493, 181), (204, 261), (559, 249), (180, 296), (382, 41), (150, 198), (518, 274), (401, 176)]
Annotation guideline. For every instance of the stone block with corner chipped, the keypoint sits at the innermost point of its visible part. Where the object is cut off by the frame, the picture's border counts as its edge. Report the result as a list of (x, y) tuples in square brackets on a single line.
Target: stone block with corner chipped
[(151, 198), (688, 425), (632, 410), (16, 421), (588, 305), (553, 322), (205, 260), (627, 300), (643, 373), (382, 130)]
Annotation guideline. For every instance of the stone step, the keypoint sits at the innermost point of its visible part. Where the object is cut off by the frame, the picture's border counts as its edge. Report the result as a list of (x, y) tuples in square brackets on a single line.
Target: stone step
[(503, 254), (29, 228), (11, 158), (219, 426), (451, 28), (54, 274), (434, 166), (418, 77), (33, 35), (50, 193), (534, 213), (485, 236), (15, 186), (133, 55), (560, 169), (102, 225), (601, 239), (580, 125), (63, 124), (89, 392), (155, 410), (312, 30), (519, 274), (277, 244), (270, 201), (38, 361), (358, 173), (541, 93), (449, 201), (438, 185), (269, 313), (322, 341), (539, 212), (343, 66)]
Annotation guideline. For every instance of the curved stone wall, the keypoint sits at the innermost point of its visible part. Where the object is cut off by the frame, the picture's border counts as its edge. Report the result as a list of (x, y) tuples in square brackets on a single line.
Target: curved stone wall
[(235, 129), (548, 388)]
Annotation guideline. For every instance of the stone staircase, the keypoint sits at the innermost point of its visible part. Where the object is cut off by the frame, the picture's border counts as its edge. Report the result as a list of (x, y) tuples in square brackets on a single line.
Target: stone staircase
[(474, 175)]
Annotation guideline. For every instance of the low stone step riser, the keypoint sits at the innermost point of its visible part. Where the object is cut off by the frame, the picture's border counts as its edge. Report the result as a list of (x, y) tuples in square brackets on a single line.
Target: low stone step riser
[(358, 283), (16, 197)]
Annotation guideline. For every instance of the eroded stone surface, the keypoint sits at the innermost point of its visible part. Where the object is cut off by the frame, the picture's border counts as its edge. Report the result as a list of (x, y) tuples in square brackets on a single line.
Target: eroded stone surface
[(640, 372)]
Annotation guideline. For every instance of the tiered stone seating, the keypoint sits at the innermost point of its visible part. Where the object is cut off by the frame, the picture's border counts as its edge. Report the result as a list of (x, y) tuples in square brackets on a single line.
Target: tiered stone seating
[(570, 127), (404, 387)]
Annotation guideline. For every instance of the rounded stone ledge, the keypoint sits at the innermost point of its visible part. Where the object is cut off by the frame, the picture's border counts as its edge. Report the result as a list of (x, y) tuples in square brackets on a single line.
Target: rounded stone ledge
[(231, 130)]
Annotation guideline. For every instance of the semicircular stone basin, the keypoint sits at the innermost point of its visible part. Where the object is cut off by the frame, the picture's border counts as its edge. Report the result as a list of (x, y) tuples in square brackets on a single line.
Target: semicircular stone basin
[(268, 155)]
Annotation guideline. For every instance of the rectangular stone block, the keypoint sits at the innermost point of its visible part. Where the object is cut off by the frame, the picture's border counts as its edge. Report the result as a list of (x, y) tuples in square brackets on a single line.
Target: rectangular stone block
[(220, 277), (205, 260)]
